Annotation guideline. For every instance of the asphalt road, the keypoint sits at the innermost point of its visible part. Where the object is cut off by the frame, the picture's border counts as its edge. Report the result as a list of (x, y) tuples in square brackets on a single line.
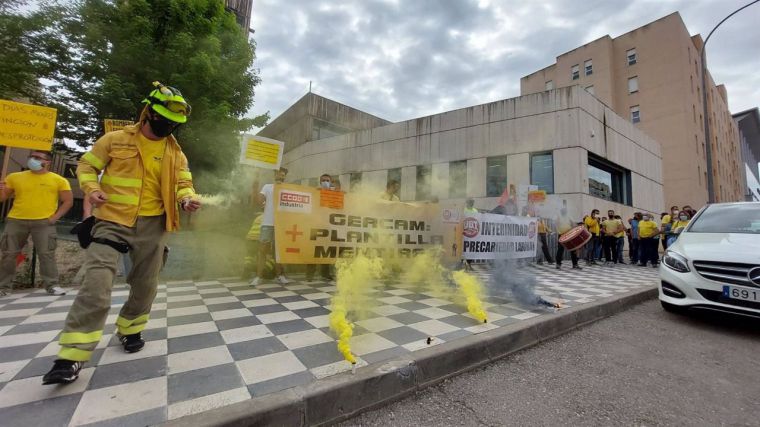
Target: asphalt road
[(641, 367)]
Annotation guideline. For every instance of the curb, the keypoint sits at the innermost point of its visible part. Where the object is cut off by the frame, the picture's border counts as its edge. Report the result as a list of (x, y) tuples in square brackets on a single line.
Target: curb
[(345, 395)]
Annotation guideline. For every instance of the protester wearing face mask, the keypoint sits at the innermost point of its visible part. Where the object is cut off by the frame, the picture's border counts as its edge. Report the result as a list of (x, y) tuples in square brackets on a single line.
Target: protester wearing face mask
[(145, 181), (592, 224), (648, 241), (37, 193), (667, 224), (325, 183), (678, 226)]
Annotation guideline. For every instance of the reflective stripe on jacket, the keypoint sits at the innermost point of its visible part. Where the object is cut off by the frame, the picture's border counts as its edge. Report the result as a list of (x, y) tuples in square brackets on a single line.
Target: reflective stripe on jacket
[(116, 154)]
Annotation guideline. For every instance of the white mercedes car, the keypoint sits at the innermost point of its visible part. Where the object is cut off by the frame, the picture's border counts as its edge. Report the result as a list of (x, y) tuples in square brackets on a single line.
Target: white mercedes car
[(715, 262)]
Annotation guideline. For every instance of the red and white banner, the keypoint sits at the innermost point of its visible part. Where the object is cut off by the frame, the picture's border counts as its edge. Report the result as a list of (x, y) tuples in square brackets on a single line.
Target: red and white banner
[(492, 236)]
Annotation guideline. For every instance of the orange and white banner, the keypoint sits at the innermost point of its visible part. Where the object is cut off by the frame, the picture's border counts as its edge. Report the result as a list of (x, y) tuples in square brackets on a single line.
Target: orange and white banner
[(315, 226)]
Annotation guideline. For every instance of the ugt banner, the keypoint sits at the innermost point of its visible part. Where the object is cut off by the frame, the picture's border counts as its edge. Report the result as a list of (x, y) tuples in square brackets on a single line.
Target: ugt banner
[(493, 236), (316, 226)]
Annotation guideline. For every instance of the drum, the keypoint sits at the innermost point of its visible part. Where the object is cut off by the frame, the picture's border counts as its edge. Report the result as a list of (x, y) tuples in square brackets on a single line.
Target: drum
[(575, 238)]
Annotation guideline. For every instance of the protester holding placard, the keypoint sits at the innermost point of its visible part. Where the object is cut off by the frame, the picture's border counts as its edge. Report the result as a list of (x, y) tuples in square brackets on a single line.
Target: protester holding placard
[(266, 235), (37, 193)]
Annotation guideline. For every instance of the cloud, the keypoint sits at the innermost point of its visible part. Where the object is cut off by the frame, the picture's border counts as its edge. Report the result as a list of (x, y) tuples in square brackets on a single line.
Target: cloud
[(401, 60)]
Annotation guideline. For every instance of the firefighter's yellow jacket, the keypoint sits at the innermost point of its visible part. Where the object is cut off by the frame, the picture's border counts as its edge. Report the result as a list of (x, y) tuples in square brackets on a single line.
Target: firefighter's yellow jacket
[(116, 154)]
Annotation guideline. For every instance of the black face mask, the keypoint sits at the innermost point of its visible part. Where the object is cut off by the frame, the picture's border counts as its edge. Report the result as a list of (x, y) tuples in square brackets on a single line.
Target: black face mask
[(162, 127)]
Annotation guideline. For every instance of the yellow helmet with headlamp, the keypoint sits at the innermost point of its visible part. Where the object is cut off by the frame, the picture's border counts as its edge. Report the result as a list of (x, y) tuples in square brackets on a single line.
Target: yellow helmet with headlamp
[(168, 102)]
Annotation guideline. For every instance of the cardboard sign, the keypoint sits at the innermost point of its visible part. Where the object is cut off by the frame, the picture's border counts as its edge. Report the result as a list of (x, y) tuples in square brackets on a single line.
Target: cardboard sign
[(536, 196), (27, 126), (111, 125), (261, 152), (310, 231), (331, 199)]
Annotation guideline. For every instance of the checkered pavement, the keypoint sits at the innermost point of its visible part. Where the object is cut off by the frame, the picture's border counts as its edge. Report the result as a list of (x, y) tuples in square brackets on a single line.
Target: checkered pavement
[(218, 342)]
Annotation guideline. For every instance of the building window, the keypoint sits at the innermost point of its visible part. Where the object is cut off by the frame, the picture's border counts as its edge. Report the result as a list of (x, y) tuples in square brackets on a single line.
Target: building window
[(574, 72), (424, 188), (608, 181), (588, 67), (633, 84), (496, 175), (630, 56), (699, 175), (635, 115), (394, 175), (549, 85), (355, 180), (542, 171), (590, 89), (458, 179)]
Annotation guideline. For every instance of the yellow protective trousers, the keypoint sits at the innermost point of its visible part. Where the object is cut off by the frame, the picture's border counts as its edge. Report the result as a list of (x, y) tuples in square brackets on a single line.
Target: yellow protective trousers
[(87, 316)]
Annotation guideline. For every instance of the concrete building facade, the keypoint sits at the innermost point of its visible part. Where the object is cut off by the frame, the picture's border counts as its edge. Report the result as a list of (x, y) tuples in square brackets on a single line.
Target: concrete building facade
[(559, 140), (315, 117), (748, 123), (652, 77)]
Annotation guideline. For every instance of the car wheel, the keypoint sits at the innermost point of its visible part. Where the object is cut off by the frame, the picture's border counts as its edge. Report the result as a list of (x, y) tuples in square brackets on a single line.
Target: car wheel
[(671, 308)]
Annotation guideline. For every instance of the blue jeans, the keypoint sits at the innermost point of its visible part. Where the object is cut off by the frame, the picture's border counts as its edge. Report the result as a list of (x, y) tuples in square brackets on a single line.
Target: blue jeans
[(620, 243)]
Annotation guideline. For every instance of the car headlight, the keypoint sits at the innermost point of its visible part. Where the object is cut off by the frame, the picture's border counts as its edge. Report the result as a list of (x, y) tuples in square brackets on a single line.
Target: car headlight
[(676, 261)]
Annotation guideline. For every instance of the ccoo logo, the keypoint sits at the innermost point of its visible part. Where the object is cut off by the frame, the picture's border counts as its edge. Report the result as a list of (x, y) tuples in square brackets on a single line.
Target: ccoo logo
[(470, 227)]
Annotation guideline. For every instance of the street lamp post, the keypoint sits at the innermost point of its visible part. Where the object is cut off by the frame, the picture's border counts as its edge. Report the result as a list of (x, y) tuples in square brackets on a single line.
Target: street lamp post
[(708, 147)]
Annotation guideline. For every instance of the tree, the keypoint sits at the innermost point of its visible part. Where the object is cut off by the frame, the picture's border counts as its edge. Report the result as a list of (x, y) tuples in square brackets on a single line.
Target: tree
[(113, 50), (25, 48)]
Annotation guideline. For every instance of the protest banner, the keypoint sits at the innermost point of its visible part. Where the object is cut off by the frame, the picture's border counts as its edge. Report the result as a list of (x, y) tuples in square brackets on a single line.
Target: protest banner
[(492, 236), (25, 126), (309, 230), (261, 152), (111, 125)]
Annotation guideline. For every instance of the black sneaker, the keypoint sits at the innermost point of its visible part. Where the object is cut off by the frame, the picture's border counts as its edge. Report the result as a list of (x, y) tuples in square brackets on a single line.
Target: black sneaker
[(132, 343), (63, 372), (577, 267)]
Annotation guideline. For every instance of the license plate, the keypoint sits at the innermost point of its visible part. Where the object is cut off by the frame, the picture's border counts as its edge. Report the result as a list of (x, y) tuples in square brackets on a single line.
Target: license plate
[(740, 293)]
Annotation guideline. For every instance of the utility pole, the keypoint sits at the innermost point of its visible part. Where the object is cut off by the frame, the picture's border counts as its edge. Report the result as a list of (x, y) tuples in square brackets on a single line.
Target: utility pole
[(705, 118)]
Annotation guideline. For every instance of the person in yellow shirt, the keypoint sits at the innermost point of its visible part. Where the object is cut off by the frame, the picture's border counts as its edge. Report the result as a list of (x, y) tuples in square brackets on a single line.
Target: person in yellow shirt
[(611, 229), (592, 224), (620, 239), (677, 227), (37, 193), (648, 240), (144, 182), (666, 221)]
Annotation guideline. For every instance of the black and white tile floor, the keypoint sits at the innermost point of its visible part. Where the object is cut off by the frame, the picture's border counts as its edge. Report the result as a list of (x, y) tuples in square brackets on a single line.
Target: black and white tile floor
[(218, 342)]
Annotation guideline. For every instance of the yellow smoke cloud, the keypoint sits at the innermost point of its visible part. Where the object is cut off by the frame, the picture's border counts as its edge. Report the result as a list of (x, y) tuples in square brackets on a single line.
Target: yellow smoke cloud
[(356, 277), (472, 290)]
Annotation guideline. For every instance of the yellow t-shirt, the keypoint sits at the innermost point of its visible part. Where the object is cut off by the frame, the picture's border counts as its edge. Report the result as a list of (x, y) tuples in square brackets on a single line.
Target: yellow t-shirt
[(255, 231), (677, 224), (666, 220), (592, 224), (621, 233), (152, 152), (647, 229), (611, 224), (35, 194)]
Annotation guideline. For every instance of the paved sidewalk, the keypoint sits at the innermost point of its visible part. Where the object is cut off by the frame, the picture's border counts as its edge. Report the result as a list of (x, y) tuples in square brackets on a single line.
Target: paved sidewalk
[(218, 342)]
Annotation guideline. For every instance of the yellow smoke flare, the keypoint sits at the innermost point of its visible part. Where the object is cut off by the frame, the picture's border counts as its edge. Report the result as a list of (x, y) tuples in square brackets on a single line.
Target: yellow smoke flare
[(355, 278), (471, 288), (425, 271), (342, 328)]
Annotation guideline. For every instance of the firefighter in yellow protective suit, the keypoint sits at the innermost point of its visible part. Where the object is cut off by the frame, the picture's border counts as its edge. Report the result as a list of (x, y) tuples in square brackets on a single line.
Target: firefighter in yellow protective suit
[(145, 181)]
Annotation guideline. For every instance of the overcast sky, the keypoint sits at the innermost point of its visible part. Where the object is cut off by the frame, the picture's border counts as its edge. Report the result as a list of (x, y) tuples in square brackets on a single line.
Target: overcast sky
[(405, 59)]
